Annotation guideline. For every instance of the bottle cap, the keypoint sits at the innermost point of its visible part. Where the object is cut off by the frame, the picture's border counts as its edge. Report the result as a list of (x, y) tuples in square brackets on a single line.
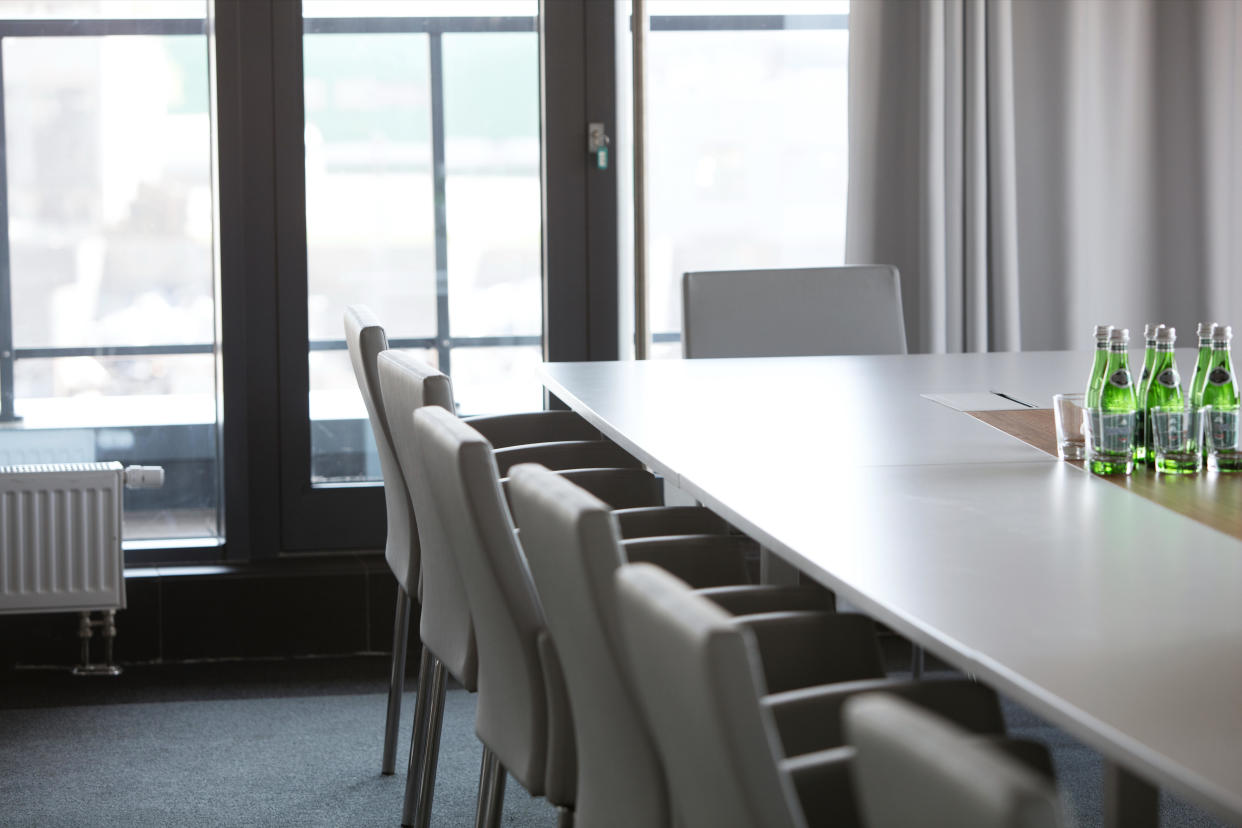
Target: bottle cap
[(1121, 335), (1166, 334), (1222, 333), (1205, 329), (1149, 331)]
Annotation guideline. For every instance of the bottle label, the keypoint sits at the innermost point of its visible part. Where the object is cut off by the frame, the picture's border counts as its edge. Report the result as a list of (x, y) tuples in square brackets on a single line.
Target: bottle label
[(1120, 379), (1112, 433), (1219, 376), (1169, 378), (1222, 429)]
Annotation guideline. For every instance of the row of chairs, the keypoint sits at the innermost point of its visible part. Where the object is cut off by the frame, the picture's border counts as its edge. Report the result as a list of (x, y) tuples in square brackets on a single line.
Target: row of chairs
[(626, 669)]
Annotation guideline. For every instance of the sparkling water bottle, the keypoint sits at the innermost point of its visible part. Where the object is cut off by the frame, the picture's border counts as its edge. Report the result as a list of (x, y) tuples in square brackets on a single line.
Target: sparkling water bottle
[(1112, 421), (1221, 388), (1096, 381), (1149, 357), (1164, 389), (1199, 379)]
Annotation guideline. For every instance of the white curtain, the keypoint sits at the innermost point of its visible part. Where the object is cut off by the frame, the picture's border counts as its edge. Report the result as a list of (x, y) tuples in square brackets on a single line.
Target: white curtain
[(1038, 167)]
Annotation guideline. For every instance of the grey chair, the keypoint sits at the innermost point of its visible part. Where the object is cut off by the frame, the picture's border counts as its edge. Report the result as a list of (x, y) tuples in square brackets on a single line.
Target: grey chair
[(407, 383), (912, 767), (523, 716), (793, 312), (573, 547), (717, 729), (366, 339)]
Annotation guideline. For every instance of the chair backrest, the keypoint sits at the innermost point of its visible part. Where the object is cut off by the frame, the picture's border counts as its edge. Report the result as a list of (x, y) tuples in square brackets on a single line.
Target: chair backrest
[(445, 626), (366, 339), (797, 312), (573, 550), (699, 680), (517, 704), (912, 767)]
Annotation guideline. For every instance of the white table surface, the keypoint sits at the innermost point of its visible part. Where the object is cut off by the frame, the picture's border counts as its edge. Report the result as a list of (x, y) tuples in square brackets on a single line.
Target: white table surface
[(1113, 617)]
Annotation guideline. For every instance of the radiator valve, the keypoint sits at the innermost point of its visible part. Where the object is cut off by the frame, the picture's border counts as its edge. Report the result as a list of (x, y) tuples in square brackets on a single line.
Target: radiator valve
[(144, 477)]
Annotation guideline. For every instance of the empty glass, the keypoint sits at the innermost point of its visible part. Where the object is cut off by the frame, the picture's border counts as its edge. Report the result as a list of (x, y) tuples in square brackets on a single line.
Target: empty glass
[(1110, 440), (1223, 443), (1067, 411), (1177, 439)]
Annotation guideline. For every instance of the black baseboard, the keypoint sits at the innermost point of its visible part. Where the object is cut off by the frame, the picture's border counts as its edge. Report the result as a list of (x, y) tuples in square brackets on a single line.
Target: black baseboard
[(289, 607)]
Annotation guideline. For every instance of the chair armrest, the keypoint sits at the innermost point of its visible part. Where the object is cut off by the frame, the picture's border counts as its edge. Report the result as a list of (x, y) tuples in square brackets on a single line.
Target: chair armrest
[(825, 790), (504, 430), (619, 488), (802, 649), (561, 775), (809, 718), (751, 599), (566, 454), (699, 560), (1035, 755), (649, 521)]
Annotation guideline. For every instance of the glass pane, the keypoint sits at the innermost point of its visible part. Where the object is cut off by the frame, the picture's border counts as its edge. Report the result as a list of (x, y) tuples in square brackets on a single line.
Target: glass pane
[(342, 448), (410, 106), (109, 224), (497, 380), (746, 141)]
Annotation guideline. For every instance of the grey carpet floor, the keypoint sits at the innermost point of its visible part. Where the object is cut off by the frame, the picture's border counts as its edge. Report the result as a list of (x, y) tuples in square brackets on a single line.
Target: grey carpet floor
[(282, 744), (308, 761)]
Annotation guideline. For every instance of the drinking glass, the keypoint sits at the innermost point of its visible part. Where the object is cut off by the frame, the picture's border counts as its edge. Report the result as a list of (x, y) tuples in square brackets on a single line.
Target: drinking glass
[(1177, 438), (1067, 411), (1224, 442), (1110, 440)]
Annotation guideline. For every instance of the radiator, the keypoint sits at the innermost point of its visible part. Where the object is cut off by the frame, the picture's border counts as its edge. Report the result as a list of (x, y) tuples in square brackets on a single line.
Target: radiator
[(60, 535)]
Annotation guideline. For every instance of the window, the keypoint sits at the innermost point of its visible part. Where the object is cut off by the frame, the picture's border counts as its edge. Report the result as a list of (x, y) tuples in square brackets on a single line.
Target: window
[(746, 142), (422, 201), (107, 310)]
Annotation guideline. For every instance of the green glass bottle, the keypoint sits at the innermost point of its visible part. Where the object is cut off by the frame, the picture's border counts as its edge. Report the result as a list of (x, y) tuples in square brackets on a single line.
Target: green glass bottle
[(1164, 391), (1113, 419), (1096, 381), (1221, 388), (1149, 357), (1199, 379)]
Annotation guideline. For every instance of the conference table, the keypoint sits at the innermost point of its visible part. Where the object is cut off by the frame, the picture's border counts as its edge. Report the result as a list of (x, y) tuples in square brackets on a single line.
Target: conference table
[(1112, 616)]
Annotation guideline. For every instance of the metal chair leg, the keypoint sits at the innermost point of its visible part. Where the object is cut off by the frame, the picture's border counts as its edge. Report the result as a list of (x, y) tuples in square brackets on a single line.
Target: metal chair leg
[(490, 805), (916, 662), (564, 818), (396, 682), (420, 784)]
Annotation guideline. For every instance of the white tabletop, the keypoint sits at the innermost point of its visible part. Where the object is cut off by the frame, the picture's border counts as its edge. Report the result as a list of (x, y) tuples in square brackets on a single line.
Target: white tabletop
[(1115, 618)]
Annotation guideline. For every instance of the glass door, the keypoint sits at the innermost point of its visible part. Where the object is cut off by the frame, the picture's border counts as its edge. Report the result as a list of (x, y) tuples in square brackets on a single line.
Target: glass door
[(108, 347), (746, 143), (422, 200)]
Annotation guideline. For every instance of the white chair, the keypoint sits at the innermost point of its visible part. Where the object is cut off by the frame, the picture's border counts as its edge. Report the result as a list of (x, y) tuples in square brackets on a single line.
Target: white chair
[(573, 548), (365, 339), (449, 647), (523, 716), (718, 726), (914, 768), (794, 312)]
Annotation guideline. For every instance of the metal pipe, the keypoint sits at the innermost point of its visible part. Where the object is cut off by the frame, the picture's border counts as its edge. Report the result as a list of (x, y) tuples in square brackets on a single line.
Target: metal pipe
[(418, 735), (7, 355), (420, 785), (638, 35), (396, 681), (438, 173)]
